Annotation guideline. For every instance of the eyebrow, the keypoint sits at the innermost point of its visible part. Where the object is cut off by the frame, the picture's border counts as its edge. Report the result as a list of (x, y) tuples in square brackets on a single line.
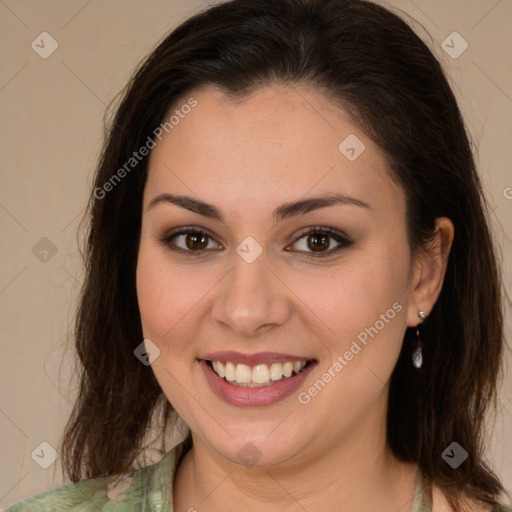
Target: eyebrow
[(281, 213)]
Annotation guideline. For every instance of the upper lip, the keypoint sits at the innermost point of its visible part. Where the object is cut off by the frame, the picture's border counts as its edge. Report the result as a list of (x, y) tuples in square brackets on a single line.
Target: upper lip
[(254, 359)]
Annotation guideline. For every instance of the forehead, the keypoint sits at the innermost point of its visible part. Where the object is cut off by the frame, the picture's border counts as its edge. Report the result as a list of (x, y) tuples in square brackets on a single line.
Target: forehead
[(276, 144)]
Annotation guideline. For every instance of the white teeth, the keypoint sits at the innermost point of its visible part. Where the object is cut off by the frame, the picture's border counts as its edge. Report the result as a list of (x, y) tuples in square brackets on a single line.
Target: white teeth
[(243, 374), (230, 371), (276, 371), (259, 375), (287, 369)]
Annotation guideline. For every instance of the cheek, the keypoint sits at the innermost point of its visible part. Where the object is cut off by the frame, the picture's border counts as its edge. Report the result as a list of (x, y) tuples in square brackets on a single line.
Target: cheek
[(351, 298), (166, 297), (153, 302), (362, 307), (164, 300)]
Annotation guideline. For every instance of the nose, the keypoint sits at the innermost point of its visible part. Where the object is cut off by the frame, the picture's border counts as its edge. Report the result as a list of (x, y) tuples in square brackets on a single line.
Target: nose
[(251, 300)]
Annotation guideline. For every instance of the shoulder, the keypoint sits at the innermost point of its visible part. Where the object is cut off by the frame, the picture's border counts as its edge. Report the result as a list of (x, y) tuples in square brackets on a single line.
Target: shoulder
[(84, 495), (148, 486)]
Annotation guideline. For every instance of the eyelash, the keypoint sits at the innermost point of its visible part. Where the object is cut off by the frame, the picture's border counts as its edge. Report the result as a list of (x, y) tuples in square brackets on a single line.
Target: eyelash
[(342, 239)]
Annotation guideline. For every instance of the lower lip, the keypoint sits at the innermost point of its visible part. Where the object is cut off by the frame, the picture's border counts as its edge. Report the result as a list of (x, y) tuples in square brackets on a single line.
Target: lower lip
[(247, 397)]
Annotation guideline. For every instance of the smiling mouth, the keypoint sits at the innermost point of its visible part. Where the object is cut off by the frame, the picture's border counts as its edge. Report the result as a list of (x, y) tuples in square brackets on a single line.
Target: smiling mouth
[(260, 375)]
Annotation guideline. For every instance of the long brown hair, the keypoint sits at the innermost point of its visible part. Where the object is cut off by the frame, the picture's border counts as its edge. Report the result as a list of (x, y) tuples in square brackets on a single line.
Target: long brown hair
[(374, 65)]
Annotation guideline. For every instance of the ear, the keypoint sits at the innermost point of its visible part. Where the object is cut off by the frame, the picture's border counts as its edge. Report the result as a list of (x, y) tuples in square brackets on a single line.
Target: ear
[(429, 271)]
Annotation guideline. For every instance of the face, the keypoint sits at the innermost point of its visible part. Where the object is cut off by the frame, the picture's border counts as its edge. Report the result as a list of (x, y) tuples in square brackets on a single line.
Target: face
[(249, 270)]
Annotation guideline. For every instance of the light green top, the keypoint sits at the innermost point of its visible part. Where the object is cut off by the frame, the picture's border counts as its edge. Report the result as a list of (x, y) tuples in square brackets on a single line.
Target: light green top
[(150, 491), (147, 490)]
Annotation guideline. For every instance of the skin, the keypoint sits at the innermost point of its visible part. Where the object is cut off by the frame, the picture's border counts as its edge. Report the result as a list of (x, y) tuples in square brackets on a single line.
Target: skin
[(279, 144)]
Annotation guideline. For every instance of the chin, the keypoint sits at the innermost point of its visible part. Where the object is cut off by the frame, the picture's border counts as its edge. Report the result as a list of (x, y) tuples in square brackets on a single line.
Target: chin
[(261, 449)]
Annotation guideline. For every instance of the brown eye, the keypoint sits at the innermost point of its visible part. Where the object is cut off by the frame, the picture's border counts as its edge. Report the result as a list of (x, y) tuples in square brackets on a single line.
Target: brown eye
[(196, 241), (318, 242), (188, 240)]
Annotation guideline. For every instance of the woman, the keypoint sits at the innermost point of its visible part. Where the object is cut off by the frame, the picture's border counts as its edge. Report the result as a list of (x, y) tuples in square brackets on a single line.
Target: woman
[(288, 249)]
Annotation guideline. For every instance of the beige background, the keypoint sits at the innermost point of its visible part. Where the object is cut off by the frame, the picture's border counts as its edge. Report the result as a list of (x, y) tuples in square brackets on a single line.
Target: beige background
[(50, 133)]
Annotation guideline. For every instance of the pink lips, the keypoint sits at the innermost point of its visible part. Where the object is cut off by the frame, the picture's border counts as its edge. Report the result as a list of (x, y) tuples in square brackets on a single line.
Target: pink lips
[(247, 396)]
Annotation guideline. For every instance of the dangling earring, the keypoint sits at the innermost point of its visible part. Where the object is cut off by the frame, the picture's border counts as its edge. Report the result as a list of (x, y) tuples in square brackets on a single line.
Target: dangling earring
[(417, 355)]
